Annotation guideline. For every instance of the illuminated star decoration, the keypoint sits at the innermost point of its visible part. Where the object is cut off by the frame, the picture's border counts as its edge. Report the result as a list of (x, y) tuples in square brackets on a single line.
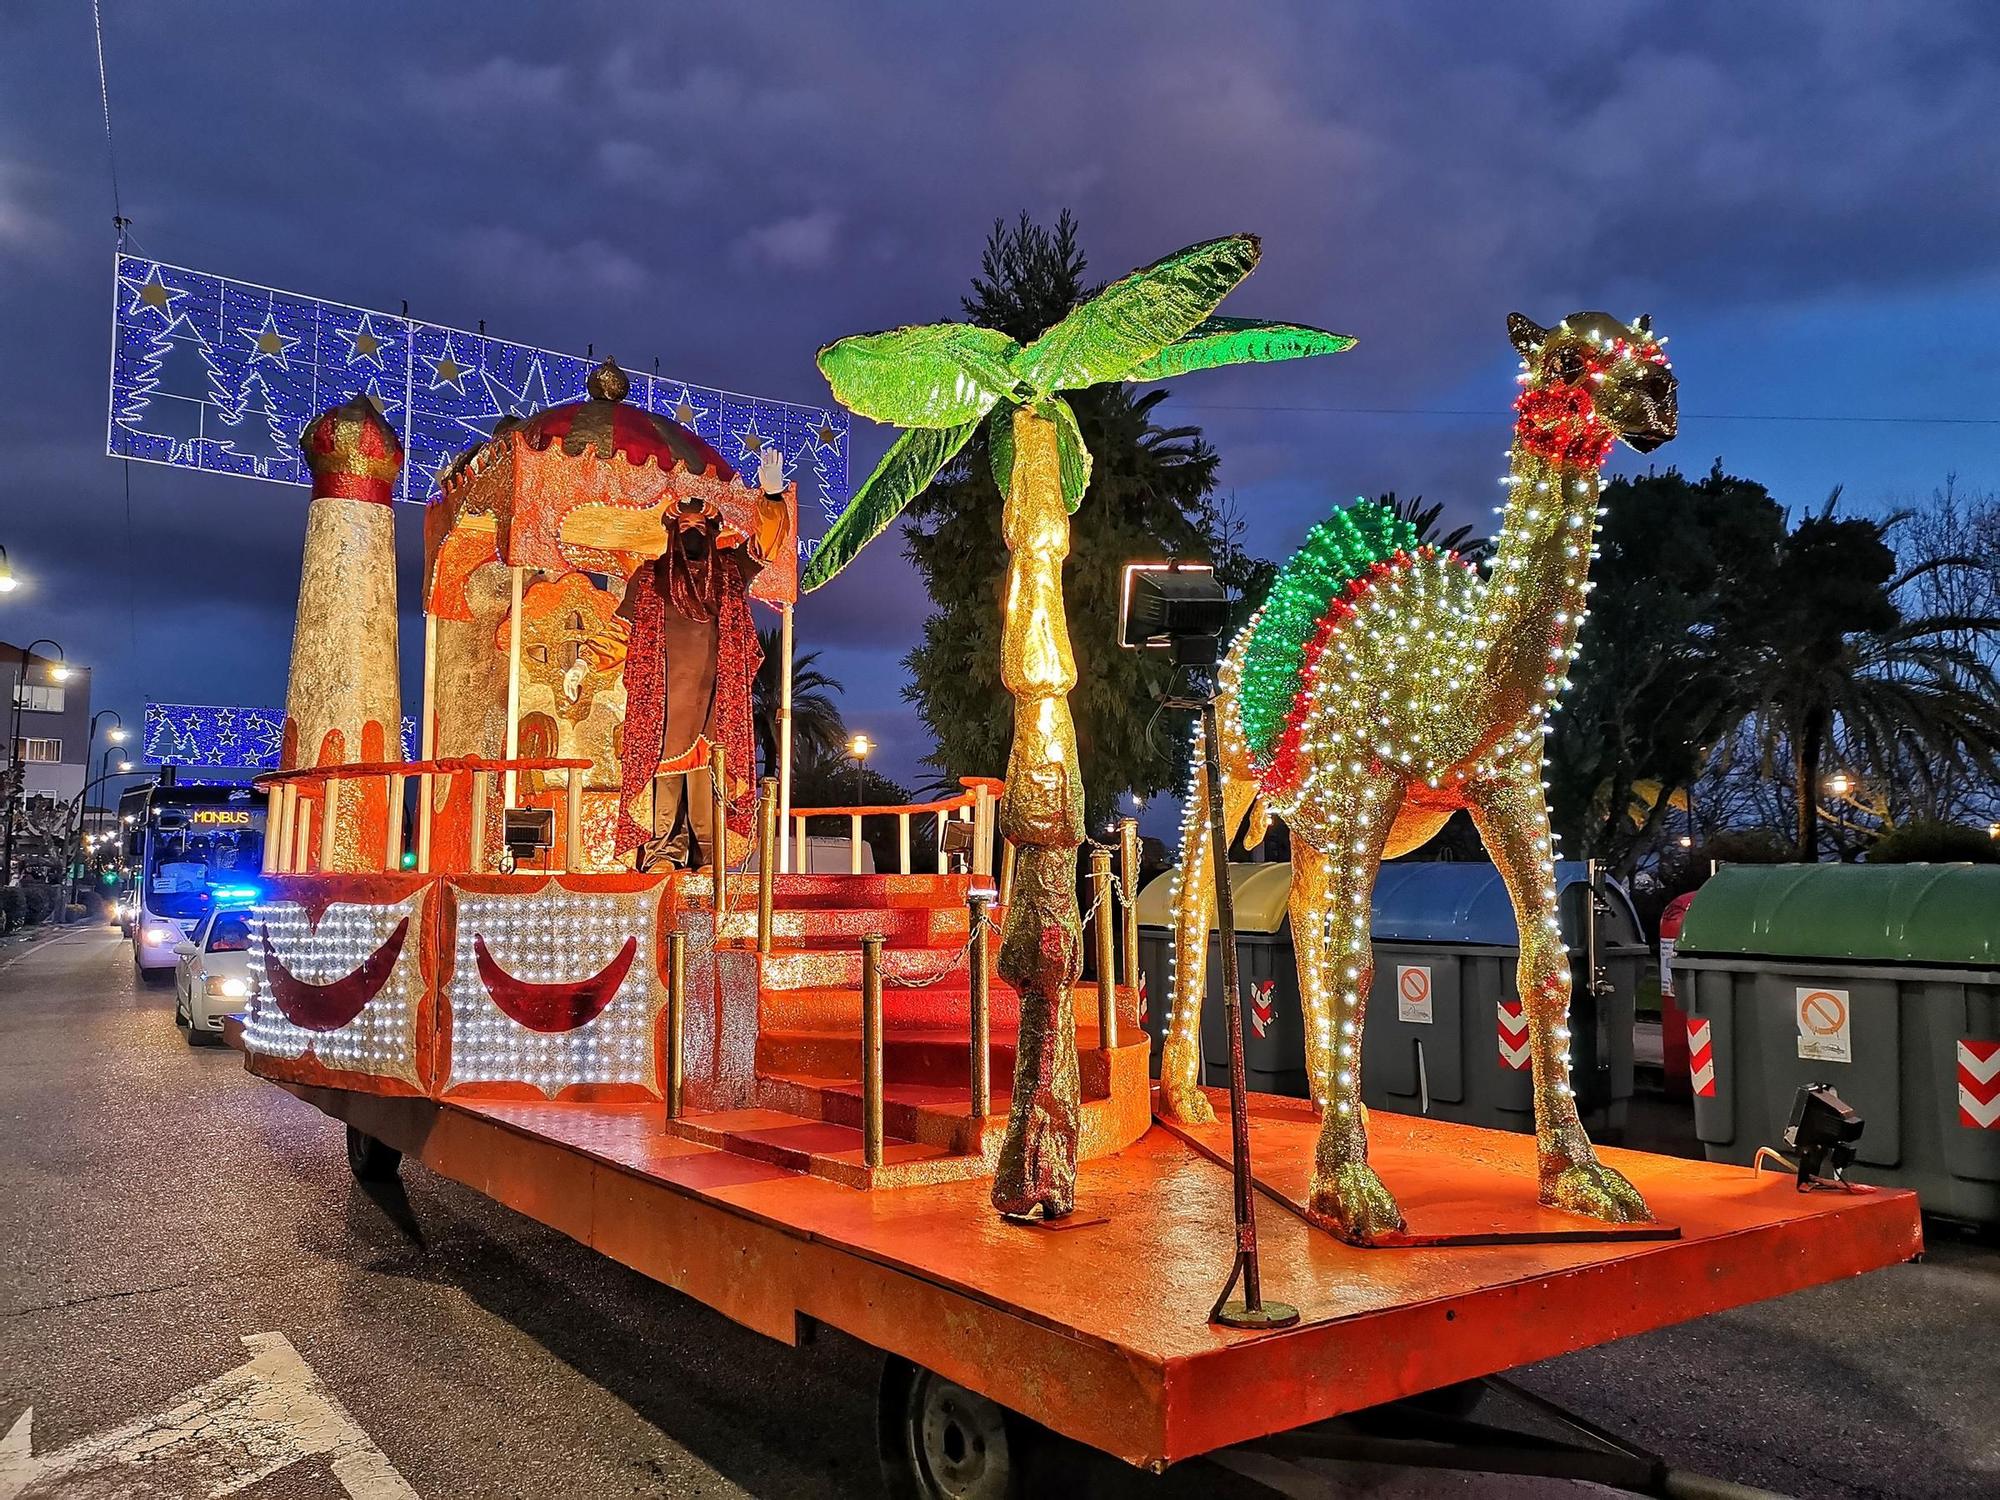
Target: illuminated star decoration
[(448, 370), (152, 293), (684, 411), (825, 435), (268, 343), (363, 343), (751, 440)]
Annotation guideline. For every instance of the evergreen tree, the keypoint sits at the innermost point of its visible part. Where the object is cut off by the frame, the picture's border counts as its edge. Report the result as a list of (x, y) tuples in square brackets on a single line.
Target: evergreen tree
[(1151, 497)]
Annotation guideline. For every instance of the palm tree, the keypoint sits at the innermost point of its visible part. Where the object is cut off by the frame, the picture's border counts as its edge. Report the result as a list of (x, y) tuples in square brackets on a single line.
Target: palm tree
[(1842, 666), (1425, 518), (817, 727), (941, 381)]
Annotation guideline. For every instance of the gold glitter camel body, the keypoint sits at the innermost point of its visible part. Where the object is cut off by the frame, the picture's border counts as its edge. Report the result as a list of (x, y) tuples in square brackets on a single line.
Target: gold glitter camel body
[(1383, 686)]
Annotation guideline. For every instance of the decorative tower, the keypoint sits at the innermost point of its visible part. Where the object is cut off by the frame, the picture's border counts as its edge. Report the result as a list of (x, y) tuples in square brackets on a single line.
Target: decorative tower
[(341, 703)]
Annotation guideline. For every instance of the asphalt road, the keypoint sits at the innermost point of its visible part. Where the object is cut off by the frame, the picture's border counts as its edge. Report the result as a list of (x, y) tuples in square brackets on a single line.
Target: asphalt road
[(158, 1208)]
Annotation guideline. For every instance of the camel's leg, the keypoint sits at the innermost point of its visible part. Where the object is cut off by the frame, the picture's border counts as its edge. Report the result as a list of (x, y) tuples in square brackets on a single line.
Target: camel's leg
[(1513, 821), (1309, 947), (1346, 1196), (1181, 1097)]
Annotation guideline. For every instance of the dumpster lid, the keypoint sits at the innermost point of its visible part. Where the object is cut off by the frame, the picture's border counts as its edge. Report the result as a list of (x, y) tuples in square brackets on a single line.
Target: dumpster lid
[(1426, 900), (1938, 914), (1261, 892)]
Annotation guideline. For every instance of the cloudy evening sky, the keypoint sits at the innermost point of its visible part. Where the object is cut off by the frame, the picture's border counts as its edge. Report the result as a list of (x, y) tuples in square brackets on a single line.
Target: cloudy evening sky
[(1803, 195)]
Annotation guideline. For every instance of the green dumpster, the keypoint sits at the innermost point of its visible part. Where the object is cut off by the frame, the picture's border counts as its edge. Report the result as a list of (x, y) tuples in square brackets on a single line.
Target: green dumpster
[(1883, 981), (1444, 1035)]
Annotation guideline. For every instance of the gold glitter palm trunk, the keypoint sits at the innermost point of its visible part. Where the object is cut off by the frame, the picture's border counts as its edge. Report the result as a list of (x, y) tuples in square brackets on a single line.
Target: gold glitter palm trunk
[(1041, 943)]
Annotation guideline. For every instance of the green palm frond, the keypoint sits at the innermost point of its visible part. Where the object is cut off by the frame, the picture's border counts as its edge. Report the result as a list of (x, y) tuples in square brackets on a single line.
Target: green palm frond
[(910, 464), (923, 375), (1238, 341), (1073, 455), (1137, 316)]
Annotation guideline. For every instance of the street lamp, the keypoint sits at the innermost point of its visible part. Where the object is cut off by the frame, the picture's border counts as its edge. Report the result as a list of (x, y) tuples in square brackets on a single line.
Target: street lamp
[(8, 583), (1840, 784), (18, 783), (858, 747), (116, 735)]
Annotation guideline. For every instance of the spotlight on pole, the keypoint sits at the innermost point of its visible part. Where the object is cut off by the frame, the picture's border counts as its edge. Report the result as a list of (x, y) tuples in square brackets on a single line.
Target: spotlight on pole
[(1182, 609), (1824, 1130)]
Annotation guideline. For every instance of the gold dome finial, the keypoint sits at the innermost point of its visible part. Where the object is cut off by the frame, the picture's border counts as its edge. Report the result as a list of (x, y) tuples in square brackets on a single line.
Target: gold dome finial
[(607, 382), (352, 452)]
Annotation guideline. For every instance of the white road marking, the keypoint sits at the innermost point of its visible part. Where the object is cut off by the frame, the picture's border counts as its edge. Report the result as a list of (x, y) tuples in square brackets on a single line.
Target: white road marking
[(219, 1438)]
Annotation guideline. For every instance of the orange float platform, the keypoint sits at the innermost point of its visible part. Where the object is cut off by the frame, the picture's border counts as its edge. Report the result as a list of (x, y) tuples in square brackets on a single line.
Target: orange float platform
[(1100, 1331)]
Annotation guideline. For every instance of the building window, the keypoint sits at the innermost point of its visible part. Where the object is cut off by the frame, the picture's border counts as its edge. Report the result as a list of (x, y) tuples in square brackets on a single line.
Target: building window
[(38, 697), (40, 752)]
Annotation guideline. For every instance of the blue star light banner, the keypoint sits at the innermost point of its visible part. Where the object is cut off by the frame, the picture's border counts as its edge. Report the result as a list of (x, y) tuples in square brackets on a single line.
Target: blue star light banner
[(207, 734), (222, 376)]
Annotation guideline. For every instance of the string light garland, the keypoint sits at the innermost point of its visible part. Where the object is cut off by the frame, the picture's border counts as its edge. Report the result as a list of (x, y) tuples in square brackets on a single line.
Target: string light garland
[(1385, 685)]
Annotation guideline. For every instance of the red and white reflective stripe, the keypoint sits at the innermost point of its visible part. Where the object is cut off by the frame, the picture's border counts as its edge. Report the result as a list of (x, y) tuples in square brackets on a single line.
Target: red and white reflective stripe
[(1144, 1013), (1979, 1084), (1701, 1056), (1513, 1035), (1261, 1004)]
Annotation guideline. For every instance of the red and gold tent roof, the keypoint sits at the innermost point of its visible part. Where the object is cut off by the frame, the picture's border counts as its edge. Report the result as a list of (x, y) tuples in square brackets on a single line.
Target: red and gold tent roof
[(588, 486)]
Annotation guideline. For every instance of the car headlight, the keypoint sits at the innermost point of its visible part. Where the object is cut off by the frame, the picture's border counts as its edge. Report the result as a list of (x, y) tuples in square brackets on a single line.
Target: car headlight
[(229, 989), (157, 935)]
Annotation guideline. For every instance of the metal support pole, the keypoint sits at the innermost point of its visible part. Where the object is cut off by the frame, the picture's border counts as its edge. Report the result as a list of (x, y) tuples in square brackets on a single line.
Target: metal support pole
[(982, 1026), (784, 766), (854, 843), (871, 1050), (329, 823), (1128, 877), (677, 983), (1252, 1311), (392, 840), (718, 830), (768, 844), (1107, 950)]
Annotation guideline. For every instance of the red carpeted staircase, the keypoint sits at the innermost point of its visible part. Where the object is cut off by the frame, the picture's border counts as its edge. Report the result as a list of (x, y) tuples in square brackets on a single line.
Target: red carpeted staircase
[(807, 1109)]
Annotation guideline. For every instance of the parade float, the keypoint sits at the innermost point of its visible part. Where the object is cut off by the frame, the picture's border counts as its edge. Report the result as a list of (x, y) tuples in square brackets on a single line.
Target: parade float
[(558, 956)]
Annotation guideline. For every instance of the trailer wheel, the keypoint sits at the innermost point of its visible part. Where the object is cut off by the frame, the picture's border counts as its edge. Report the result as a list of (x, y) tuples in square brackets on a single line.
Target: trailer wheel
[(939, 1441), (369, 1159)]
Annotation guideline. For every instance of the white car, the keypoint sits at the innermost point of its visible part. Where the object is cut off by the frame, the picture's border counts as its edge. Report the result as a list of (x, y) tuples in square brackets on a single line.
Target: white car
[(212, 973)]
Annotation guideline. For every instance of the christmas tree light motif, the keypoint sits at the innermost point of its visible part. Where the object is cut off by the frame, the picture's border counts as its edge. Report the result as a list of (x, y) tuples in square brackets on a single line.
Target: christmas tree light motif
[(260, 435), (179, 378)]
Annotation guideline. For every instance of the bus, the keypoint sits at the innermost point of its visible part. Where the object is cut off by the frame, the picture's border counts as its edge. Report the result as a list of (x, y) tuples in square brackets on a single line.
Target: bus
[(186, 849)]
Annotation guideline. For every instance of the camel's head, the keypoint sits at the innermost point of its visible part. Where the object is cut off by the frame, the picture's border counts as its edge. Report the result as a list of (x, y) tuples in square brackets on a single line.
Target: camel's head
[(1622, 366)]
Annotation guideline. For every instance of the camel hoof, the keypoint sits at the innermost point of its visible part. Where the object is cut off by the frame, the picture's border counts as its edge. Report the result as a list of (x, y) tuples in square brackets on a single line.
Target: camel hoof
[(1184, 1102), (1595, 1190), (1353, 1204)]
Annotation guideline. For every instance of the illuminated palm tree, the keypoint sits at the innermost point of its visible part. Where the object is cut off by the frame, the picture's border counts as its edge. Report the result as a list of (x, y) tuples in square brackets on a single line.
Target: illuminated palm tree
[(940, 381)]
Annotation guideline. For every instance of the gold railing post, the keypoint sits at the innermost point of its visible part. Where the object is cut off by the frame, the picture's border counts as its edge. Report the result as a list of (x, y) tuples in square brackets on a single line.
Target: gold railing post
[(329, 827), (573, 821), (871, 1050), (426, 794), (767, 860), (676, 1017), (1128, 877), (982, 1026), (1107, 950), (1006, 875), (982, 826), (718, 857), (477, 862)]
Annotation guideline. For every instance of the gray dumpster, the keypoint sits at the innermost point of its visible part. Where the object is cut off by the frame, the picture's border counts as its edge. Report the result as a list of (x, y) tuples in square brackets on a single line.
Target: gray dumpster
[(1444, 1035), (1883, 981)]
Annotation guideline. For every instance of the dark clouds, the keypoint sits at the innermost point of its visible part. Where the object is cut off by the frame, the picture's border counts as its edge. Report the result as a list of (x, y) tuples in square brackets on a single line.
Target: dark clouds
[(728, 190)]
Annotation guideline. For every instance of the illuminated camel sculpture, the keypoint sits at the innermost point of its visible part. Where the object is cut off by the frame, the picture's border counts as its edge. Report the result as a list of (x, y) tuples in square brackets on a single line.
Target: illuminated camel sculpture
[(1381, 687)]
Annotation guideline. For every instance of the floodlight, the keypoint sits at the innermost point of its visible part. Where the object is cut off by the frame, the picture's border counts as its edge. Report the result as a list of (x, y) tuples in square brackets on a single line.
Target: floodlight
[(1823, 1129), (1176, 606), (529, 832)]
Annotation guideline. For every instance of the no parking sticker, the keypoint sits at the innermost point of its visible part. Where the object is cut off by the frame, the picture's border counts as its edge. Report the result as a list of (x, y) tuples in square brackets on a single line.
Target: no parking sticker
[(1823, 1017), (1413, 994)]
